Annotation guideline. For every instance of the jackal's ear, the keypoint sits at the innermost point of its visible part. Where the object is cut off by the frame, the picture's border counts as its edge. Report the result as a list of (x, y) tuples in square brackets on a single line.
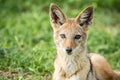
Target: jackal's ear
[(85, 17), (57, 17)]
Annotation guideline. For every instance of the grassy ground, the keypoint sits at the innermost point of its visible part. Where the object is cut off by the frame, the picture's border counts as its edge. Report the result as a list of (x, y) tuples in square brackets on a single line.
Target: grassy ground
[(27, 50)]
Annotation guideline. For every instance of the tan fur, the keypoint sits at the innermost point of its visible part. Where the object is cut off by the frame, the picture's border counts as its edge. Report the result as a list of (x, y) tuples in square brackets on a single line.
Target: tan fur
[(71, 34)]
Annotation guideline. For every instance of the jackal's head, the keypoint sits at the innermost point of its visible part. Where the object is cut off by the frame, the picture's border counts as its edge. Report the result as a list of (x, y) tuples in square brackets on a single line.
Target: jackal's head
[(70, 34)]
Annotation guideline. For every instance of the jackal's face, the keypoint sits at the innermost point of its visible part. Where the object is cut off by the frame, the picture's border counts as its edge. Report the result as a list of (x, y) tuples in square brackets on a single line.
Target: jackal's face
[(70, 34)]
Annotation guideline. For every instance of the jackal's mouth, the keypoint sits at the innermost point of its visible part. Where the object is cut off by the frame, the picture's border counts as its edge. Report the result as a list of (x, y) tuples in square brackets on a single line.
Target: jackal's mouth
[(69, 53)]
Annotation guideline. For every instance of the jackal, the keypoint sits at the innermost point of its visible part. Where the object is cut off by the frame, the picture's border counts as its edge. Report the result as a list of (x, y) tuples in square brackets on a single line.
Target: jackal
[(72, 61)]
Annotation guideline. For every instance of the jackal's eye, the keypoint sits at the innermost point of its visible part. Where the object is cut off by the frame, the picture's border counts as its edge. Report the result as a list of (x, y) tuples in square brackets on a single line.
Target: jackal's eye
[(62, 36), (77, 36)]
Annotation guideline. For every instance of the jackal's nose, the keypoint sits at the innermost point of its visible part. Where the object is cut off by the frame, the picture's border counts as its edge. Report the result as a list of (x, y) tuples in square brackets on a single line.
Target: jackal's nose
[(68, 50)]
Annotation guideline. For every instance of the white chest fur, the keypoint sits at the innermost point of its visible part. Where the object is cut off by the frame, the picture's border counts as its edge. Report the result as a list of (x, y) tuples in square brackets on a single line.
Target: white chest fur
[(75, 67)]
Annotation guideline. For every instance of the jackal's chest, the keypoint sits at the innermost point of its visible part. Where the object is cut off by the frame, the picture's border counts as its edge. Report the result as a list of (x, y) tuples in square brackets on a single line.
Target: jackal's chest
[(75, 69), (70, 66), (76, 74)]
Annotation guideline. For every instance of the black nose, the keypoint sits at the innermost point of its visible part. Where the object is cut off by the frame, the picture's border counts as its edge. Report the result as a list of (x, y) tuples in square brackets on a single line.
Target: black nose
[(69, 50)]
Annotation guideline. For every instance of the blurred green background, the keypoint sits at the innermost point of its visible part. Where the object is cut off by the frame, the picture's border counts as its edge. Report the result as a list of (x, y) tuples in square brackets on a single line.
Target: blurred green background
[(27, 50)]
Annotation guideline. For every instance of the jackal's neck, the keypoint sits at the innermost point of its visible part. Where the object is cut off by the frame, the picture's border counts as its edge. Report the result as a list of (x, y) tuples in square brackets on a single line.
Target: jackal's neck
[(75, 62)]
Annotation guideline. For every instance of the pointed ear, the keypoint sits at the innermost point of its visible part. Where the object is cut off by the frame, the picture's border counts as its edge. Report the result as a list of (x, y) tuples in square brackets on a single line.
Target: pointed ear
[(57, 17), (85, 17)]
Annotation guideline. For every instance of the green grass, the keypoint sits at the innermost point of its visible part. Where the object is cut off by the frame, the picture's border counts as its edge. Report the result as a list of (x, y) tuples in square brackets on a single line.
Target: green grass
[(26, 38)]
